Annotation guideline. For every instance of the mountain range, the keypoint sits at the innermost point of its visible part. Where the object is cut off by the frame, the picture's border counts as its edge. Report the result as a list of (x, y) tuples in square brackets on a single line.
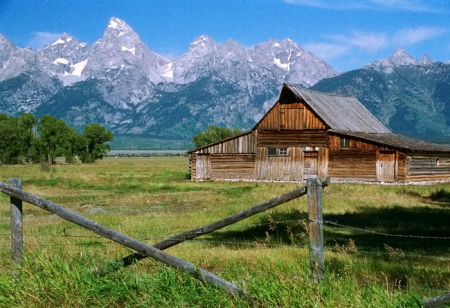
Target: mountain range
[(123, 85)]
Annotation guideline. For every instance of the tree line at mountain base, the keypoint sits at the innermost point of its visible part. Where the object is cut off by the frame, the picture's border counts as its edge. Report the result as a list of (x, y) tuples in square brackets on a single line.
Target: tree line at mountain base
[(27, 139)]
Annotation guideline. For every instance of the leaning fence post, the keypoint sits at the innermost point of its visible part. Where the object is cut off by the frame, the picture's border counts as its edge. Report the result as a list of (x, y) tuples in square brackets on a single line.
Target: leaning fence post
[(315, 222), (16, 223)]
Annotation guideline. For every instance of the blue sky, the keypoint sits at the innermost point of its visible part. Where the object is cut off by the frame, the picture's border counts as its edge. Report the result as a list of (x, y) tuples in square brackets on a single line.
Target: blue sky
[(345, 33)]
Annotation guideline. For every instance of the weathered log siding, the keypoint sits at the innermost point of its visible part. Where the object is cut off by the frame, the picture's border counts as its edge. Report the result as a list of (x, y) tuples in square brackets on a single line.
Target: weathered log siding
[(333, 142), (401, 166), (193, 165), (423, 167), (323, 162), (294, 116), (243, 144), (237, 166), (352, 164), (290, 138), (279, 168), (203, 167), (289, 167)]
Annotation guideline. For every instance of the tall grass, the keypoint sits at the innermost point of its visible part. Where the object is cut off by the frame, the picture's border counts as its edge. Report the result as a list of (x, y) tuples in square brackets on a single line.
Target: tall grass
[(150, 198)]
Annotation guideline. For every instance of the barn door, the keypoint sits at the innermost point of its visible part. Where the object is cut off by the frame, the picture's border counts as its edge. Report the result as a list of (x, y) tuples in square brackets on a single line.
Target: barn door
[(386, 168), (310, 164), (203, 167)]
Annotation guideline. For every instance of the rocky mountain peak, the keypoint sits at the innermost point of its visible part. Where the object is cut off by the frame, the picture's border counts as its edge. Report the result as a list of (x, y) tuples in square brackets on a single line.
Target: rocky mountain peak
[(425, 60), (401, 57), (231, 50), (63, 39), (202, 46), (6, 49), (64, 58), (117, 24)]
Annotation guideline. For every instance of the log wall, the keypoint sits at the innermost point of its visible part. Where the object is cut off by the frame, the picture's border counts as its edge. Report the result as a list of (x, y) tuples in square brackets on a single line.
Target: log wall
[(424, 167), (291, 166), (292, 138), (294, 116), (333, 143), (401, 167), (242, 144), (352, 164), (279, 168), (239, 166), (193, 165)]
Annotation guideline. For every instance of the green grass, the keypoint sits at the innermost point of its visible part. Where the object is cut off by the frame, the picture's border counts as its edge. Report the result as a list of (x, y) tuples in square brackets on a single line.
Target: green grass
[(148, 198)]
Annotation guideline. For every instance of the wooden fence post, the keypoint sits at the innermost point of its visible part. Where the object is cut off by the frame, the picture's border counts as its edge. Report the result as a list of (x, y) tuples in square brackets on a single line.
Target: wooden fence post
[(16, 223), (437, 302), (120, 238), (315, 222)]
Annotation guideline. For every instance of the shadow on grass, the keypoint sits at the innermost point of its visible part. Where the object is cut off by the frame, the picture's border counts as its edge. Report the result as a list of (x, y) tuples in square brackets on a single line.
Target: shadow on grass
[(399, 221), (439, 197)]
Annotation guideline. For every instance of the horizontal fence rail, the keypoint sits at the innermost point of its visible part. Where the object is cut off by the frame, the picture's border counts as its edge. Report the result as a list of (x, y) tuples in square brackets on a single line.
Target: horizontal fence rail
[(227, 224), (196, 232), (143, 250), (120, 238)]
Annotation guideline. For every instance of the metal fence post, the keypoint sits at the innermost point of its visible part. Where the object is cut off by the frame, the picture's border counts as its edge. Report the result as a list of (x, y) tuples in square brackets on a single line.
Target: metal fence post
[(16, 223), (315, 224)]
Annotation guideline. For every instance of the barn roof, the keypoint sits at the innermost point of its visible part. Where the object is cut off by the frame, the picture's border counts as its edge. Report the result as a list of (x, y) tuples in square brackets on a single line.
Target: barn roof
[(337, 111), (397, 141), (220, 141)]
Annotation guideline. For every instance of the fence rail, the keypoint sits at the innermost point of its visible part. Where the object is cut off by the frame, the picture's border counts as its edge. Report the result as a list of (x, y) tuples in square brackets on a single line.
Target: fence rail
[(314, 221), (156, 251)]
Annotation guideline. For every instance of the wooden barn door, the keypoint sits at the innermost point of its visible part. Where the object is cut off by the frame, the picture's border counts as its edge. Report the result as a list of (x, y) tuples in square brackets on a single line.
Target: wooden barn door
[(386, 167), (203, 166), (310, 164)]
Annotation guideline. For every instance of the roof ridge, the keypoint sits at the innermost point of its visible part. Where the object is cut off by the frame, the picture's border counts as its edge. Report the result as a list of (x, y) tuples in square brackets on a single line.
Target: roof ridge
[(318, 92)]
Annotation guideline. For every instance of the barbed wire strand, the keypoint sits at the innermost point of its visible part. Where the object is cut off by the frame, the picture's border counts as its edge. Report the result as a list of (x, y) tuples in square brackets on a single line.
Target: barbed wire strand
[(387, 234)]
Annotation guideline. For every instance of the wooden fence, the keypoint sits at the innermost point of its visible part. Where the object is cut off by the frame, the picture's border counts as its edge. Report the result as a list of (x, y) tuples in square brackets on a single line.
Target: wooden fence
[(313, 189)]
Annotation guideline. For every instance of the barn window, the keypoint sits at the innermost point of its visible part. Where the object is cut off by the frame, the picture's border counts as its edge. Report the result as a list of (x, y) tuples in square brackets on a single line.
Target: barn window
[(344, 143), (272, 152), (283, 151)]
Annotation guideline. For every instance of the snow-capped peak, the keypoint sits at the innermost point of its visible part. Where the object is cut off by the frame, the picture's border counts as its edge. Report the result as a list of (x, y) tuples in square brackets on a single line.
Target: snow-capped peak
[(401, 57), (63, 39), (203, 45), (116, 23)]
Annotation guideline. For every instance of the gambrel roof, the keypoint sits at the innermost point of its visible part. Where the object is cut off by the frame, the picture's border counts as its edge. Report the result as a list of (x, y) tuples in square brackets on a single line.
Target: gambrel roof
[(338, 112)]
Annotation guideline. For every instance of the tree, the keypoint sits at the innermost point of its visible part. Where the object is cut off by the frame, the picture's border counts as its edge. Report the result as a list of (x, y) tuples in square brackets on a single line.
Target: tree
[(54, 138), (95, 137), (214, 134), (26, 124), (26, 138), (9, 140)]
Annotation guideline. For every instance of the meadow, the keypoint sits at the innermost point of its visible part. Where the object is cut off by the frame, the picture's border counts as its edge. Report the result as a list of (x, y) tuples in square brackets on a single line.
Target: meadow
[(267, 254)]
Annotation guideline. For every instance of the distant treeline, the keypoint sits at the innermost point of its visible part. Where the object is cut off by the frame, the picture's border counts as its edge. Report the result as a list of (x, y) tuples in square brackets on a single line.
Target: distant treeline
[(27, 139)]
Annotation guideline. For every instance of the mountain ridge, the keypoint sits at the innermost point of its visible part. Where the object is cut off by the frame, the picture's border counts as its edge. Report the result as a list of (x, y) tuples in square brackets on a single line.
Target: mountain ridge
[(123, 85)]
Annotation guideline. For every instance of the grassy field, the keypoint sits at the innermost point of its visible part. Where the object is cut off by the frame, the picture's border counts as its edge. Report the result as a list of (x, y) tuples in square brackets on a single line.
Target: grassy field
[(151, 198)]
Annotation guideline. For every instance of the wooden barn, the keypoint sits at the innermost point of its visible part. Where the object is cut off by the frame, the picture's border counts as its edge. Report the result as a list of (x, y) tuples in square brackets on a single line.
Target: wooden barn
[(308, 133)]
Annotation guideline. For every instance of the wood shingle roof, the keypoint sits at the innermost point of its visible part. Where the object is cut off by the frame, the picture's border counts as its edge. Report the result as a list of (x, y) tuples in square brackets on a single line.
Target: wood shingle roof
[(397, 141), (344, 113)]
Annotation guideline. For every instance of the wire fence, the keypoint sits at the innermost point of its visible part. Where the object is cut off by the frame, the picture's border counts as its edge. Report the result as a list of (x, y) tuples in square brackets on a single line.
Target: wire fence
[(271, 225)]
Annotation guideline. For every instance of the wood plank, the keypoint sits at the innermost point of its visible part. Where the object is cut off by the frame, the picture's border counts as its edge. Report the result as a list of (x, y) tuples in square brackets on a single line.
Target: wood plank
[(141, 248)]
